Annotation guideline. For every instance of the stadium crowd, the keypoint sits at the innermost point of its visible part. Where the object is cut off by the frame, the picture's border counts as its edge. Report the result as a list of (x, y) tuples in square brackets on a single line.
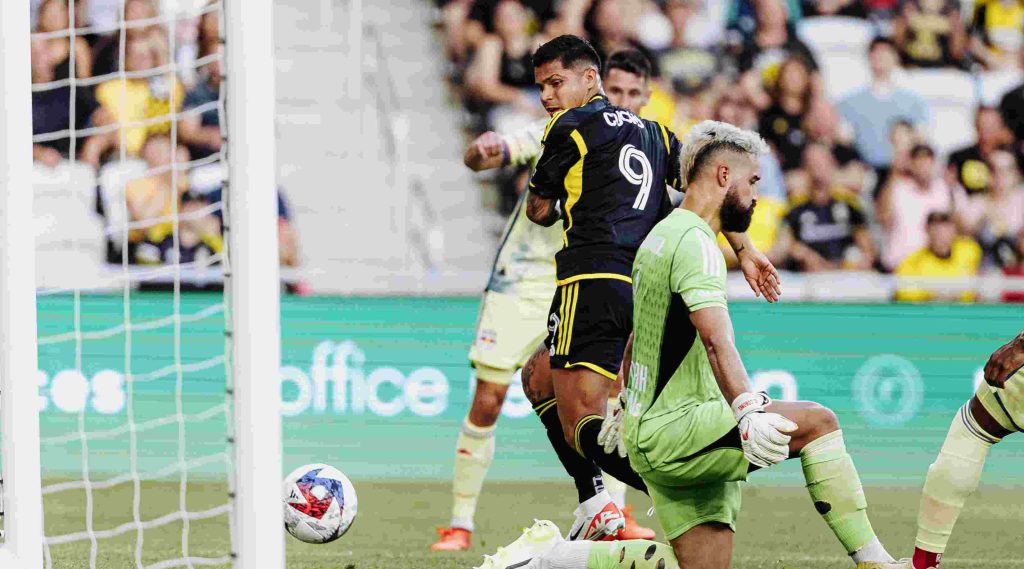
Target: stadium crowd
[(870, 170), (132, 99)]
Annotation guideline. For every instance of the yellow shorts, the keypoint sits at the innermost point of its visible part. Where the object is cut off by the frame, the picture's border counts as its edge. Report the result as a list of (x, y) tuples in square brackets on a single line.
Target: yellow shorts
[(1005, 405), (509, 329)]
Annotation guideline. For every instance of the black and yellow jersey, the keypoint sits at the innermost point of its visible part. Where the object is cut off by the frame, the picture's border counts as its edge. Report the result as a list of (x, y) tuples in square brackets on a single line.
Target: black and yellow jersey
[(608, 168)]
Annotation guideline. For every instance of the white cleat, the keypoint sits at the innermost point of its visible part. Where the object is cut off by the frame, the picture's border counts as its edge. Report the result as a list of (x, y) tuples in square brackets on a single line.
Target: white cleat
[(597, 519), (536, 540), (901, 564)]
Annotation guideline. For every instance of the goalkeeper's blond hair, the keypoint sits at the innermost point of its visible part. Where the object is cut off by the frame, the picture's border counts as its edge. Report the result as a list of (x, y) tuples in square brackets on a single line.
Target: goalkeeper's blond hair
[(709, 137)]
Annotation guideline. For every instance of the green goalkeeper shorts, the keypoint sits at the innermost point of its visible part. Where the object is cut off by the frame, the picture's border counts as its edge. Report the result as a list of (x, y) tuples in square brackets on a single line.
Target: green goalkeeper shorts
[(693, 487)]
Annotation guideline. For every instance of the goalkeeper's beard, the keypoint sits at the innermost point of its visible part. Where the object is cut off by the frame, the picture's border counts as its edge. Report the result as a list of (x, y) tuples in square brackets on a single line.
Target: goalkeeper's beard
[(734, 217)]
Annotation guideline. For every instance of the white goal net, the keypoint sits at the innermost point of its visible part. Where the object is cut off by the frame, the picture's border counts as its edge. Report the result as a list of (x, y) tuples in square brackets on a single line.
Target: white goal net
[(130, 177)]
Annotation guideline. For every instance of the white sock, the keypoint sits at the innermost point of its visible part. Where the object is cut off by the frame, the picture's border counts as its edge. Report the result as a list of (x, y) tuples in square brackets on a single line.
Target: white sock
[(616, 489), (873, 551), (594, 504), (565, 555)]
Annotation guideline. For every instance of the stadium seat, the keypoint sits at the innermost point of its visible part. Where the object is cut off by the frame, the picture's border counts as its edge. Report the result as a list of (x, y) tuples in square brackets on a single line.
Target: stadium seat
[(840, 45), (69, 234), (992, 85), (952, 99)]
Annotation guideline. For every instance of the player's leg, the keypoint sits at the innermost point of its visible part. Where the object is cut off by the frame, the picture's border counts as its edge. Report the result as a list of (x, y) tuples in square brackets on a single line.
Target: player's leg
[(582, 396), (832, 480), (505, 333), (590, 330), (979, 424), (540, 391), (542, 547), (597, 516)]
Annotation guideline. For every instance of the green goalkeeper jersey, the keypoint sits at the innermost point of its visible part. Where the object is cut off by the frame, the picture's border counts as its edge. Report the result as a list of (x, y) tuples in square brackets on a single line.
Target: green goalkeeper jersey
[(678, 270)]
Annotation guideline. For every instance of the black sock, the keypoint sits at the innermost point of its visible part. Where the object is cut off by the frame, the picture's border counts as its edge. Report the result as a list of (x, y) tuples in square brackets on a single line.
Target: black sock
[(584, 472), (586, 440)]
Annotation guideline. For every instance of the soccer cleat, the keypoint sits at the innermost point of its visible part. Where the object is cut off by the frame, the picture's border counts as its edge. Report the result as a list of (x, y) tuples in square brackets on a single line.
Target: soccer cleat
[(451, 539), (901, 564), (536, 540), (633, 530), (604, 525)]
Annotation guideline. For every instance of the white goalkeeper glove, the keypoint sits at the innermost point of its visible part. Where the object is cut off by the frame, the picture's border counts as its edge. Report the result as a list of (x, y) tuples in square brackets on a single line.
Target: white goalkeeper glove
[(763, 435), (610, 436)]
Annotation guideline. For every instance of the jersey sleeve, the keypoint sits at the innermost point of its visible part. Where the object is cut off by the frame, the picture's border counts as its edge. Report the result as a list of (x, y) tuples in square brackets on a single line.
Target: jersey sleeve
[(560, 153), (698, 271), (524, 144)]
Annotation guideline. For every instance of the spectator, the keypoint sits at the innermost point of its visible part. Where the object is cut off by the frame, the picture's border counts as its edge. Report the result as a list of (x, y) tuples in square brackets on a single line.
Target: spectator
[(944, 255), (501, 73), (107, 50), (695, 23), (782, 123), (999, 214), (997, 30), (607, 23), (772, 41), (200, 130), (930, 33), (54, 17), (847, 8), (822, 126), (873, 110), (904, 205), (135, 100), (1010, 254), (968, 166), (829, 230), (153, 199), (51, 108), (1011, 107)]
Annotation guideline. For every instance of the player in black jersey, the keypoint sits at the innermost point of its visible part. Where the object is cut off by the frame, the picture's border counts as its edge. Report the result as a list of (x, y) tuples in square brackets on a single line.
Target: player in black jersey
[(603, 171)]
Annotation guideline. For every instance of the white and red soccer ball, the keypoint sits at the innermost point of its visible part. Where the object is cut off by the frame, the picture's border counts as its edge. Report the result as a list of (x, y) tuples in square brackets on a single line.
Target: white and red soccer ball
[(319, 503)]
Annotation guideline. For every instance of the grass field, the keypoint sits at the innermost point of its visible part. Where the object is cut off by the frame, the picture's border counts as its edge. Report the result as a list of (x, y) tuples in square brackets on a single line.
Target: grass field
[(778, 528)]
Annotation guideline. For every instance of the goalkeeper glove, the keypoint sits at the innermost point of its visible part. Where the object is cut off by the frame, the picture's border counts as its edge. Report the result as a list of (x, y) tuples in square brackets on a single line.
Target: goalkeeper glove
[(610, 436), (763, 435)]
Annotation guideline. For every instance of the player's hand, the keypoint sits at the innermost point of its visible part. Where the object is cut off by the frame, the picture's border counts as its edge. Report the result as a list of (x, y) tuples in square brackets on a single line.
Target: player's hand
[(610, 436), (1005, 362), (763, 435), (489, 144), (761, 274)]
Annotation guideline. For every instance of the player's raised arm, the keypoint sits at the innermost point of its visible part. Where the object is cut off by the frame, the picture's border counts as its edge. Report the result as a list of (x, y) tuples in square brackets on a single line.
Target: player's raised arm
[(493, 150)]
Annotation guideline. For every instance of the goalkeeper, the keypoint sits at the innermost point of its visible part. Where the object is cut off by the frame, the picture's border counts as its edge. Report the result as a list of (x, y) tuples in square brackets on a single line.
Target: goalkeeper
[(693, 428)]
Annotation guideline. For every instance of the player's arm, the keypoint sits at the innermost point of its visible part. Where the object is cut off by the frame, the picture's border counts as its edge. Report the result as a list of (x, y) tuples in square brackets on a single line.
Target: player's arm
[(757, 269), (1005, 362), (487, 152), (492, 150), (547, 185), (702, 288)]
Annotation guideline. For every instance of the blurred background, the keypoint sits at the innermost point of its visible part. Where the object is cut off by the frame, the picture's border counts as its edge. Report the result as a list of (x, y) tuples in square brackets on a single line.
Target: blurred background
[(896, 128)]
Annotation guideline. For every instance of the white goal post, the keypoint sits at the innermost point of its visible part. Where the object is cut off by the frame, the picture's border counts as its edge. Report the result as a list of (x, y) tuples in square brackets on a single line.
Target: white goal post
[(252, 290), (19, 417)]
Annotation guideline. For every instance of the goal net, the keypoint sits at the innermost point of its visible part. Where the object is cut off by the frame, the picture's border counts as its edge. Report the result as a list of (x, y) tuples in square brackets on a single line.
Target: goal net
[(132, 178)]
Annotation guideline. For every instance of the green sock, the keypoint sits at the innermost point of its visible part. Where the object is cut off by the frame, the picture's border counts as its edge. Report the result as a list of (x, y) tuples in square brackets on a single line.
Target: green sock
[(630, 554), (836, 490)]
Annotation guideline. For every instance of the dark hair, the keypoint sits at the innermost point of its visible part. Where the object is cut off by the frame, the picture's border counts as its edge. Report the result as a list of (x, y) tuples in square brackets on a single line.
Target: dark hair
[(631, 61), (939, 217), (881, 40), (920, 149), (569, 50)]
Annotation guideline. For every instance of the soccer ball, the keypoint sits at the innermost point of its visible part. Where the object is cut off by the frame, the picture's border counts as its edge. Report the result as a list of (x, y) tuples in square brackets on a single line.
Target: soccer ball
[(319, 503)]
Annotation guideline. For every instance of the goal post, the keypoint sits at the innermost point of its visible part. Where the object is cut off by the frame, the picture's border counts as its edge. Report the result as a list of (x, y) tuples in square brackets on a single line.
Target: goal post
[(19, 415), (253, 281)]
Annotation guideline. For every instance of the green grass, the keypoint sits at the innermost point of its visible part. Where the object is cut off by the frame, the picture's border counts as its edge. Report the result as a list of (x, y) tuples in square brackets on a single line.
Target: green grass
[(778, 528)]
